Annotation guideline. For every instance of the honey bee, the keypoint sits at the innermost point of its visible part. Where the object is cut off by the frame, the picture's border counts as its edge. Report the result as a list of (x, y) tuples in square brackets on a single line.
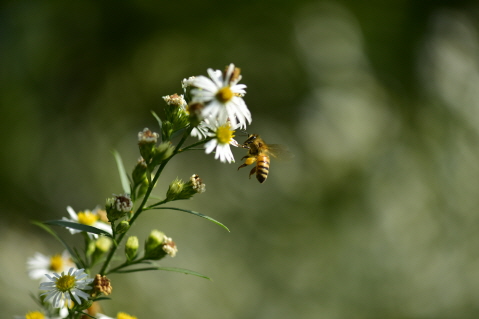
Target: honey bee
[(260, 152)]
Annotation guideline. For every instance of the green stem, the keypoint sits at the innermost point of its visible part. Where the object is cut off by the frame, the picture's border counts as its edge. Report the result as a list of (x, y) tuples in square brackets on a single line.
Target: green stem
[(196, 144), (145, 199), (155, 204)]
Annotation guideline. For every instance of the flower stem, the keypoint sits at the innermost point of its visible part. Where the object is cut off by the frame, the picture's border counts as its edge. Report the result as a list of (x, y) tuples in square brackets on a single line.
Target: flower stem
[(145, 199)]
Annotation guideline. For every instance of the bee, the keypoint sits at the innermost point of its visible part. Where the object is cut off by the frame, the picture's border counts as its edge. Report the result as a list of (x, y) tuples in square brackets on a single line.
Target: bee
[(260, 152)]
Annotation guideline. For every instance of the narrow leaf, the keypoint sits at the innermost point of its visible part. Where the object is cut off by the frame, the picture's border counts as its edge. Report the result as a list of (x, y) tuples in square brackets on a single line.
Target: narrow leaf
[(174, 269), (67, 247), (160, 122), (78, 226), (195, 213), (125, 183), (184, 271)]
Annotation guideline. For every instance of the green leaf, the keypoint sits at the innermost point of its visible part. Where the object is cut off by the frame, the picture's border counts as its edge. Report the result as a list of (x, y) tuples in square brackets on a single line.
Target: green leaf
[(174, 269), (160, 122), (194, 213), (125, 182), (78, 226), (67, 247), (184, 271)]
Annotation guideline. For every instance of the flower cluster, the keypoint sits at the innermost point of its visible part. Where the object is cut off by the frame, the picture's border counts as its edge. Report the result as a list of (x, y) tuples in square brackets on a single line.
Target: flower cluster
[(218, 105), (211, 109)]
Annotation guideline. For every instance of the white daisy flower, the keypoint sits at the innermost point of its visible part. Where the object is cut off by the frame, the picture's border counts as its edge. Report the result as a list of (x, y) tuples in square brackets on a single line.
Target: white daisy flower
[(90, 218), (223, 138), (41, 264), (222, 96), (66, 287)]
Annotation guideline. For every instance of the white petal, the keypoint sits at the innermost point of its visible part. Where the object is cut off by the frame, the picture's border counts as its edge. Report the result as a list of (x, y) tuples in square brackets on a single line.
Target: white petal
[(210, 146), (72, 213)]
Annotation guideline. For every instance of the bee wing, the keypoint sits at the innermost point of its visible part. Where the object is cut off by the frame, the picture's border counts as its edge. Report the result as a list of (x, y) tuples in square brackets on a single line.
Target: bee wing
[(280, 151)]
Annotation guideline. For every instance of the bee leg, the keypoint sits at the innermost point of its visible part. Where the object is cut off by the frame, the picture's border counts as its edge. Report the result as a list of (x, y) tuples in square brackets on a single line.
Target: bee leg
[(252, 172), (249, 161)]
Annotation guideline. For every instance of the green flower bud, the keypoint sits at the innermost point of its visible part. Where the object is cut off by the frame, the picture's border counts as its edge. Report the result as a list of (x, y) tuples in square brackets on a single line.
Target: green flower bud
[(103, 244), (153, 245), (160, 153), (139, 172), (122, 227), (131, 247), (91, 247), (142, 189)]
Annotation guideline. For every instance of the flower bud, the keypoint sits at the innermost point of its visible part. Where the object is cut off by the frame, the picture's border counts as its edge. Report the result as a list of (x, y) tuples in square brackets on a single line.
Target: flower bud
[(146, 142), (139, 172), (131, 247), (103, 244), (160, 153), (122, 227), (118, 206), (153, 245), (90, 247), (101, 285), (179, 190)]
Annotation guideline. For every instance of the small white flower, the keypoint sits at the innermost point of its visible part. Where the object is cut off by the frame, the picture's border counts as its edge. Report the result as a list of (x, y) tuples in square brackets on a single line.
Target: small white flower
[(41, 264), (223, 138), (66, 287), (90, 218), (222, 96)]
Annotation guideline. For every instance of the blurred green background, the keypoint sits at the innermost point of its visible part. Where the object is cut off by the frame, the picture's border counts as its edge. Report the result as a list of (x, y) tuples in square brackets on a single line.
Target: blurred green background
[(376, 216)]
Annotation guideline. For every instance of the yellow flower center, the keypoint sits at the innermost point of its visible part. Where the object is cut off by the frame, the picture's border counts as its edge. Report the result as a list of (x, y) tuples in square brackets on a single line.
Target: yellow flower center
[(34, 315), (65, 283), (87, 218), (56, 263), (224, 134), (122, 315), (224, 94)]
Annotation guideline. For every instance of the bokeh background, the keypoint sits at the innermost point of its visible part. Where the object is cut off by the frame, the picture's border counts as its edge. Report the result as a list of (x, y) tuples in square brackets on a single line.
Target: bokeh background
[(376, 216)]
